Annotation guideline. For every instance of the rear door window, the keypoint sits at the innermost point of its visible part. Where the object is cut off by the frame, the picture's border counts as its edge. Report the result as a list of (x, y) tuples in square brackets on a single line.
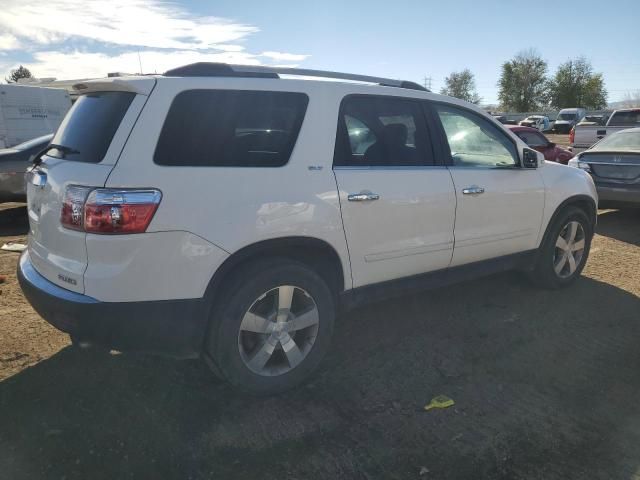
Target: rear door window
[(88, 128), (382, 132), (231, 128)]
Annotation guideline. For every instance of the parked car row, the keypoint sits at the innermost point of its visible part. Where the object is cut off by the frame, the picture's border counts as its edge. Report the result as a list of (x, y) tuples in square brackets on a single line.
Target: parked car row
[(583, 136)]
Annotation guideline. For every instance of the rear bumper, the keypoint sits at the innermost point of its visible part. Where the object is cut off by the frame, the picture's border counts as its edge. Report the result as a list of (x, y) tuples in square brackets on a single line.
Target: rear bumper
[(623, 196), (170, 327)]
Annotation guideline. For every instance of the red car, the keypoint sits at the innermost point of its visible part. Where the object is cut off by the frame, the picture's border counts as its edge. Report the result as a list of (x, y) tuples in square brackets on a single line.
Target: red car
[(537, 141)]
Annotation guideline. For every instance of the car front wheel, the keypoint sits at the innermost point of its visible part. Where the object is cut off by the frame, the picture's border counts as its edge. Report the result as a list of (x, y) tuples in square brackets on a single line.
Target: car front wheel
[(565, 250)]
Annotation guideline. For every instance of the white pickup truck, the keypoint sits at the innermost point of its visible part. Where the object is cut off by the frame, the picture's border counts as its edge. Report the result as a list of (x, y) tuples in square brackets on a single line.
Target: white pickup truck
[(584, 136)]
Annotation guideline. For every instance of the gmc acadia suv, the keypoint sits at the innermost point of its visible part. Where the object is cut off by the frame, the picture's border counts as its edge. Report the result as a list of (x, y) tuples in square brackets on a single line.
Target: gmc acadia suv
[(222, 211)]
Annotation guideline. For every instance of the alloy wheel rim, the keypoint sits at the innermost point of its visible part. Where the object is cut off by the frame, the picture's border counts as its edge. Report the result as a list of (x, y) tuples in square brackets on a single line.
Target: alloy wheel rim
[(278, 331), (569, 249)]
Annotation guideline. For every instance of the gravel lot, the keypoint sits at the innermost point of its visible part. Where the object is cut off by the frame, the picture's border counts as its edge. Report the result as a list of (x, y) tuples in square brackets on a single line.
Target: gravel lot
[(546, 386)]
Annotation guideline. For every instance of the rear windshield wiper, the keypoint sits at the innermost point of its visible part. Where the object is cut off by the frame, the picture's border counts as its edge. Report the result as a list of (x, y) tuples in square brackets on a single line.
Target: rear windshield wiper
[(37, 160)]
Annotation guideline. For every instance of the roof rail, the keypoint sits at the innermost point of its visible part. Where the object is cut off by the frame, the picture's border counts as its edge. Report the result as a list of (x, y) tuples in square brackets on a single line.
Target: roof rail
[(206, 69)]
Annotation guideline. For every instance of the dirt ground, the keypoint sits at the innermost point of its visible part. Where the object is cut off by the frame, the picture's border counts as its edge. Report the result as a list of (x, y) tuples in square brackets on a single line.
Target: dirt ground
[(546, 386)]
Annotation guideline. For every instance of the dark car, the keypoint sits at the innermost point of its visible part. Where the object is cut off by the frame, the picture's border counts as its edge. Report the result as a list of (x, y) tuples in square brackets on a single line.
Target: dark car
[(536, 140), (614, 165), (14, 162)]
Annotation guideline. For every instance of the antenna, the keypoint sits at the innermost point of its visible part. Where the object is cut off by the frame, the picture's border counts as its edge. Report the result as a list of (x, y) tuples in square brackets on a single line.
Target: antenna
[(139, 62)]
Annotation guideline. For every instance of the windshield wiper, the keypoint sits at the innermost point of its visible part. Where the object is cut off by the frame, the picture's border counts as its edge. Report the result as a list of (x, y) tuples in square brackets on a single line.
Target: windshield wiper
[(37, 160)]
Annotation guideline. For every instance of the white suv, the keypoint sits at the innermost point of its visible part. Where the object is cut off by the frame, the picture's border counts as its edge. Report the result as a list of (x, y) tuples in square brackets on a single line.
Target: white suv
[(225, 212)]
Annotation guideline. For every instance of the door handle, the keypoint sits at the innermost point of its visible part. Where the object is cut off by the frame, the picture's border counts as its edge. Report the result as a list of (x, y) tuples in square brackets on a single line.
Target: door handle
[(473, 190), (362, 197)]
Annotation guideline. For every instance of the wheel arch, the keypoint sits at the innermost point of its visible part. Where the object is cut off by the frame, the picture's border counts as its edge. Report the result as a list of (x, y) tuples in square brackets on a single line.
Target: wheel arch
[(316, 253), (584, 202)]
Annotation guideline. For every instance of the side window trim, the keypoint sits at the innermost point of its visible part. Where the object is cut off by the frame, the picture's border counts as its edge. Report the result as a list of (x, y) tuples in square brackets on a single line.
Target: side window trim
[(443, 136), (342, 147), (440, 146)]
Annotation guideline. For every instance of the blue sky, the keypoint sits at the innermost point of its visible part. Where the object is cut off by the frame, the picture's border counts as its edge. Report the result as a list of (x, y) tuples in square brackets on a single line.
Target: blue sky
[(399, 39)]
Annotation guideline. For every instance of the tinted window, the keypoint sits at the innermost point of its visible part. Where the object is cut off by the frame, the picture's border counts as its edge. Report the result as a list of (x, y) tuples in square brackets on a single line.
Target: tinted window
[(533, 139), (630, 119), (375, 131), (228, 128), (474, 141), (89, 126), (567, 116)]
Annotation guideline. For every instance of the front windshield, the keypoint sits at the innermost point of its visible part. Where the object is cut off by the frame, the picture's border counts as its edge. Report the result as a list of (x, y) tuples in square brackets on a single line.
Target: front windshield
[(620, 141), (567, 116)]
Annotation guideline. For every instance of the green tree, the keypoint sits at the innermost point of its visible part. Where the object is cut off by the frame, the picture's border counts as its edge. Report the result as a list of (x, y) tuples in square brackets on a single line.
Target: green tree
[(461, 85), (522, 83), (576, 85), (17, 73)]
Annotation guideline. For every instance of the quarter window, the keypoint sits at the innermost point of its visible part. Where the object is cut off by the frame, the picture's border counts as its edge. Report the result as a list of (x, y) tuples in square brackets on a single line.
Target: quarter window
[(382, 131), (228, 128), (474, 141)]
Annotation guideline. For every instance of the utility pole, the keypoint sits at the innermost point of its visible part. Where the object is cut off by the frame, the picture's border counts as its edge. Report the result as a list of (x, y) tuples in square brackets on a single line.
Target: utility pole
[(427, 82)]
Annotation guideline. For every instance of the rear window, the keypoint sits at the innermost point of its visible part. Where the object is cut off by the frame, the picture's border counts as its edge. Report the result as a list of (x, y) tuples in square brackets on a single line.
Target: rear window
[(86, 132), (230, 128), (567, 116), (627, 119)]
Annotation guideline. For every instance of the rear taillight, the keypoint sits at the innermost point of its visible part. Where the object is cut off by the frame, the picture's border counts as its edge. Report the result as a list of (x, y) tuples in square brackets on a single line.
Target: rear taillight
[(72, 215), (572, 135), (110, 211)]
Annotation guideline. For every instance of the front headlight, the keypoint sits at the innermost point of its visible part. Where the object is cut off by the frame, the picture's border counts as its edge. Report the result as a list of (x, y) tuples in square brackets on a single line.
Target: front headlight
[(575, 162)]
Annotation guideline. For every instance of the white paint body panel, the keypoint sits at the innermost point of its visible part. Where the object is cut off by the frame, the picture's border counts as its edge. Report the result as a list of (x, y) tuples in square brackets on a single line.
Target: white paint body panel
[(207, 214), (57, 253), (505, 219), (407, 231), (235, 207), (149, 266)]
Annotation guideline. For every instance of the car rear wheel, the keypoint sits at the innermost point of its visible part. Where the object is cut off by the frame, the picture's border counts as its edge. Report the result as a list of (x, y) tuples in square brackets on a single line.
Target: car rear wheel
[(565, 250), (272, 326)]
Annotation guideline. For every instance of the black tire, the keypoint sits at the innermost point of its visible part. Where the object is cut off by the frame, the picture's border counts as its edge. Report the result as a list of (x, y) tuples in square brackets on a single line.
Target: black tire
[(544, 274), (222, 344)]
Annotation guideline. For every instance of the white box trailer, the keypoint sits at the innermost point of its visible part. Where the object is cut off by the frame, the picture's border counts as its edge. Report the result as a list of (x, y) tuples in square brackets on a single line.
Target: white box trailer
[(28, 112)]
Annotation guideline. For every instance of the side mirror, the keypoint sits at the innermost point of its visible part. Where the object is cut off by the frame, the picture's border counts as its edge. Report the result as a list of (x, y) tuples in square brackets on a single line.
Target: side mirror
[(551, 144), (529, 158)]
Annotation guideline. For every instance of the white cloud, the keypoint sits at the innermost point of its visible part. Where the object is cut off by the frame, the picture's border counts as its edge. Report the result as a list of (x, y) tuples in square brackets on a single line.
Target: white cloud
[(144, 23), (284, 57), (68, 39), (8, 42)]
